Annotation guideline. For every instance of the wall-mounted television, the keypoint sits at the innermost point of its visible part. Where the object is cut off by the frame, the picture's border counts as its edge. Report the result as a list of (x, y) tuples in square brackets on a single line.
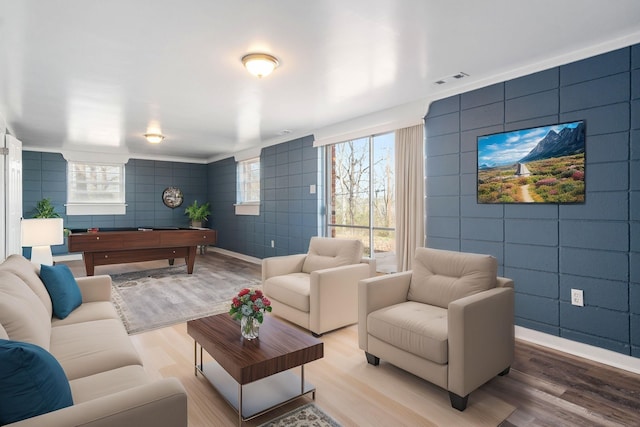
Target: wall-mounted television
[(544, 164)]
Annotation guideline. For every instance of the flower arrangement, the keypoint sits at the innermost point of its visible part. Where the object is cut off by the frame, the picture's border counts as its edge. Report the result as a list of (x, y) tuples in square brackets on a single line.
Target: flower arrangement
[(249, 307), (250, 303)]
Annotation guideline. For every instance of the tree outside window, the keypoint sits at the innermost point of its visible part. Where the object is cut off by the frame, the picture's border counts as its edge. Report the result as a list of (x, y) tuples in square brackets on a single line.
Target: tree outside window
[(362, 194)]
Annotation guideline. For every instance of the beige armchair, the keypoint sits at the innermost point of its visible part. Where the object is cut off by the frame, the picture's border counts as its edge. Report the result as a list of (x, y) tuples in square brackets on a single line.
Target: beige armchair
[(448, 321), (318, 290)]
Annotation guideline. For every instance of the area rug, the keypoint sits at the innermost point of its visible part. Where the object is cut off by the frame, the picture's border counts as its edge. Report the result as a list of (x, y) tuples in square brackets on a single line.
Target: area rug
[(161, 297), (308, 415)]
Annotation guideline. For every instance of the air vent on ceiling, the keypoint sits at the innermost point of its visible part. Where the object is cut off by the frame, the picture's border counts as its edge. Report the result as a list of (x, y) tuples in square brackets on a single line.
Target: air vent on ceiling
[(447, 79)]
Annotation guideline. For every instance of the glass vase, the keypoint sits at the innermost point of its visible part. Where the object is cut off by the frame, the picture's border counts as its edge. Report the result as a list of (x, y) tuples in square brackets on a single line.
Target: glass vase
[(249, 327)]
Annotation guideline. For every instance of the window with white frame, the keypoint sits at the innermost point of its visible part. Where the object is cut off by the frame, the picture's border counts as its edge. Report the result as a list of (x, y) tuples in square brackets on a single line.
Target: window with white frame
[(95, 188), (248, 190), (361, 195)]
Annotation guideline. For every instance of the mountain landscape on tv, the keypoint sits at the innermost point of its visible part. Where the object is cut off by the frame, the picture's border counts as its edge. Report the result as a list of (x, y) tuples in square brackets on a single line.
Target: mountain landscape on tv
[(539, 165), (566, 143)]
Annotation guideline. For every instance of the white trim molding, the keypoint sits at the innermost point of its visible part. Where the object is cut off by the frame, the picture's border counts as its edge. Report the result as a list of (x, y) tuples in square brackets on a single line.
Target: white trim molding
[(243, 257), (596, 354), (384, 121)]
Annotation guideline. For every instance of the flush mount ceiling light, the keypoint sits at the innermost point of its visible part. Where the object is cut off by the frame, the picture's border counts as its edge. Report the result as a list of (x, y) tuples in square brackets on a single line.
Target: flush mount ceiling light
[(260, 64), (154, 138)]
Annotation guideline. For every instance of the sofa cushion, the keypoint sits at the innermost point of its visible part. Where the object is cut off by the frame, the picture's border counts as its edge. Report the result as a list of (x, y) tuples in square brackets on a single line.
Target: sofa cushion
[(91, 347), (22, 315), (417, 328), (62, 287), (87, 312), (105, 383), (440, 277), (33, 382), (28, 272), (290, 289), (3, 333), (325, 252)]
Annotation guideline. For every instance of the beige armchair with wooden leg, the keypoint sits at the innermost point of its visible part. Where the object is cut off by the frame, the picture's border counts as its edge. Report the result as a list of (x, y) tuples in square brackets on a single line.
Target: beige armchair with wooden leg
[(318, 290), (448, 321)]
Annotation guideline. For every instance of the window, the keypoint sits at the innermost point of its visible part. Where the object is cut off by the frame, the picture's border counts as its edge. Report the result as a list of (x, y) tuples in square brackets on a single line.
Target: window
[(248, 190), (361, 195), (95, 188)]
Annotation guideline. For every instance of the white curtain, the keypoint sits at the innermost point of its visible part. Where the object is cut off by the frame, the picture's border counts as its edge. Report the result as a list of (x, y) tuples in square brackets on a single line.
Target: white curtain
[(409, 194)]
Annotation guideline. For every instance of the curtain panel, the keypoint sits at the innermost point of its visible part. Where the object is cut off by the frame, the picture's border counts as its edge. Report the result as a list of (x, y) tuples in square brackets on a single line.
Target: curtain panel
[(410, 200)]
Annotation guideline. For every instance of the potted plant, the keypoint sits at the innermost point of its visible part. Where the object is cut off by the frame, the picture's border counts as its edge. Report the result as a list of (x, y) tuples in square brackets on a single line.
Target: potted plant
[(197, 213), (44, 209)]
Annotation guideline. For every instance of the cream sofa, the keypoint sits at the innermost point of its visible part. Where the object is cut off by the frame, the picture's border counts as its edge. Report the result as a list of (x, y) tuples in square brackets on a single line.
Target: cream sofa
[(108, 383), (448, 321), (318, 290)]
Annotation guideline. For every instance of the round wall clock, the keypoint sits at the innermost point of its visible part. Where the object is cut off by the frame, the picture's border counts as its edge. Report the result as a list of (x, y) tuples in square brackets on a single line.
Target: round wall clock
[(172, 197)]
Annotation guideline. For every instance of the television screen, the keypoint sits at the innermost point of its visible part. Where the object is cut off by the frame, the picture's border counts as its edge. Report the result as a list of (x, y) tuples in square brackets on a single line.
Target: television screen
[(537, 165)]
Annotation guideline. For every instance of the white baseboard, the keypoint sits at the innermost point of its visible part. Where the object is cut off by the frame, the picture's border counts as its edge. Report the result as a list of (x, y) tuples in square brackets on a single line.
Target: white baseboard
[(243, 257), (596, 354)]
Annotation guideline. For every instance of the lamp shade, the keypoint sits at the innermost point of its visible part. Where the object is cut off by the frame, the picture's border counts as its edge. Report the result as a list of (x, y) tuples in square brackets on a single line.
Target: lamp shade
[(42, 232)]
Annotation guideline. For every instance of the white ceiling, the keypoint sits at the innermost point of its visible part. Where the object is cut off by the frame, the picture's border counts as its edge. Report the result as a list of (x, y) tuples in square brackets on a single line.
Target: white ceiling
[(95, 75)]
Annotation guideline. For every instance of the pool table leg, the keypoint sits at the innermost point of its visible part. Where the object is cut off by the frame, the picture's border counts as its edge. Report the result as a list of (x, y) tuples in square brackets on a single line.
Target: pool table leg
[(191, 258)]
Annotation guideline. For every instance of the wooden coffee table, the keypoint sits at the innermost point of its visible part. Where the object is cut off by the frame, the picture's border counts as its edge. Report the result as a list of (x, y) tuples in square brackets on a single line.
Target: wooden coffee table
[(254, 376)]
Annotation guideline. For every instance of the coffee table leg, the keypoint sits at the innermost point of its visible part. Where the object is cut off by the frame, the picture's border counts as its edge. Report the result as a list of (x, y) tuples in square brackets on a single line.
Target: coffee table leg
[(195, 358), (239, 405)]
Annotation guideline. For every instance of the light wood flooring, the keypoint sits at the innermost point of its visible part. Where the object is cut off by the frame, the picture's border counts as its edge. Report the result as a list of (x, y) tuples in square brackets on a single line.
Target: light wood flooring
[(544, 388)]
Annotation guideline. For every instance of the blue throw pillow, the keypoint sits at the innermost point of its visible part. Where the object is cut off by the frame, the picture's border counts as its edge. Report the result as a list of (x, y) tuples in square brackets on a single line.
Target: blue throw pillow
[(32, 382), (62, 287)]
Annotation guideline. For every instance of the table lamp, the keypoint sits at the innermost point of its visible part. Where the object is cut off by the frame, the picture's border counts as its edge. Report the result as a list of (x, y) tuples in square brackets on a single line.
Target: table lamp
[(40, 234)]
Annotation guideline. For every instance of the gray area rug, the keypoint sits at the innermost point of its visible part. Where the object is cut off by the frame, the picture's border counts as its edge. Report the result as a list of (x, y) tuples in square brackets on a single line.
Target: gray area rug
[(161, 297), (308, 415)]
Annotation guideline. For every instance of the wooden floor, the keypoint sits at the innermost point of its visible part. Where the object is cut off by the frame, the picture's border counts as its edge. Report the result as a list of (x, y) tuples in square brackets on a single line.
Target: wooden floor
[(544, 387)]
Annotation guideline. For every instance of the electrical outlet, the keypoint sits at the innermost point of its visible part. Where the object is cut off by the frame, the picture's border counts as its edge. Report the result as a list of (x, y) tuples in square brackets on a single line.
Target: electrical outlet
[(273, 244), (577, 297)]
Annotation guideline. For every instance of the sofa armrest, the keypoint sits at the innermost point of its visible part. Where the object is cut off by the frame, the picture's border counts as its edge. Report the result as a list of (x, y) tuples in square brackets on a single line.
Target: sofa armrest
[(281, 265), (378, 292), (333, 296), (481, 338), (95, 288), (160, 403)]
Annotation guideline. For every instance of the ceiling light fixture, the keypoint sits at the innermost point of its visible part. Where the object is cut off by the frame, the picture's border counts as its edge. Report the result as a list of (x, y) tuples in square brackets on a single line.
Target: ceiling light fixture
[(154, 138), (260, 64)]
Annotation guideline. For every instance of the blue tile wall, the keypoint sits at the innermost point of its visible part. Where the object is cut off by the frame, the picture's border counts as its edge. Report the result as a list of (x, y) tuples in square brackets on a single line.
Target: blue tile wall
[(550, 249), (44, 175), (289, 214)]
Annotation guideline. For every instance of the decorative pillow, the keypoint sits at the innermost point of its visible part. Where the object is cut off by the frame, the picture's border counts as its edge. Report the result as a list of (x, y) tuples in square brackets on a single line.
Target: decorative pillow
[(32, 382), (62, 287)]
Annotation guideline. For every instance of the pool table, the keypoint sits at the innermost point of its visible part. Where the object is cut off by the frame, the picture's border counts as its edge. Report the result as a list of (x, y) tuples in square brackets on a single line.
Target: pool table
[(121, 245)]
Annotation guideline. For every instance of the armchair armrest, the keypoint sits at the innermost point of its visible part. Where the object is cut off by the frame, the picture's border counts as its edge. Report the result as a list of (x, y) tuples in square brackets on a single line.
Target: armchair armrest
[(372, 265), (333, 294), (503, 282), (378, 292), (160, 403), (95, 288), (481, 338), (280, 265)]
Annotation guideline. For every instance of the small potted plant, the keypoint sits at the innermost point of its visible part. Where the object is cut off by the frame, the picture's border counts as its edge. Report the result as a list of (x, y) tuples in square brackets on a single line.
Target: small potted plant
[(44, 209), (197, 213)]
